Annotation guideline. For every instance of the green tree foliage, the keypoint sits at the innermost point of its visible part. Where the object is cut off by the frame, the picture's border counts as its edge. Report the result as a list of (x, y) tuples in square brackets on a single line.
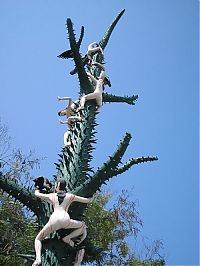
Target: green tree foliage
[(17, 232), (17, 225), (112, 229)]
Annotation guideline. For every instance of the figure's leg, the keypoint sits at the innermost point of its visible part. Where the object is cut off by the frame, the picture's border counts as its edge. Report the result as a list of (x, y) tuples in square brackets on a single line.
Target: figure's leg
[(83, 234), (82, 102), (80, 230), (99, 101), (47, 229), (72, 119), (67, 141), (90, 96), (79, 257)]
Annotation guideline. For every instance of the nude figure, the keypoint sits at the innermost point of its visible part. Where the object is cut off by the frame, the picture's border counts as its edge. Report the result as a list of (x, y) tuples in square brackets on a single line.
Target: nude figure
[(87, 59), (69, 112), (60, 219), (92, 49), (98, 88), (70, 109)]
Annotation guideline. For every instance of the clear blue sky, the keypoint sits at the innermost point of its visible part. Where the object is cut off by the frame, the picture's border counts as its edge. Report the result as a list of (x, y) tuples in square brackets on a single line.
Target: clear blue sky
[(153, 52)]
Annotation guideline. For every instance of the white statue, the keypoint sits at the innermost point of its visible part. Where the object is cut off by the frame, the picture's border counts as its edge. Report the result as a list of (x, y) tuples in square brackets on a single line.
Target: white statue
[(60, 219), (79, 257), (93, 48), (70, 109), (69, 112), (98, 88)]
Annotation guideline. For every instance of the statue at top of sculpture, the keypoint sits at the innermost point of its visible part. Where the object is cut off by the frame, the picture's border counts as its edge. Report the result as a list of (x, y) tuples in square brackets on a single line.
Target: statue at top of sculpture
[(60, 219), (92, 49)]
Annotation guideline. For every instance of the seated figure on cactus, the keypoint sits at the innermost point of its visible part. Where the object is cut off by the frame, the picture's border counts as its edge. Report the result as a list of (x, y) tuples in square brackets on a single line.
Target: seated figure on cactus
[(92, 49), (98, 88), (60, 219), (69, 112)]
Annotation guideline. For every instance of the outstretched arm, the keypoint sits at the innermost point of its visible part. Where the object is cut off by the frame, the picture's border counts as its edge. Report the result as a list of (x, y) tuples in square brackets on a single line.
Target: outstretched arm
[(82, 199), (91, 77), (65, 98), (63, 122), (47, 197)]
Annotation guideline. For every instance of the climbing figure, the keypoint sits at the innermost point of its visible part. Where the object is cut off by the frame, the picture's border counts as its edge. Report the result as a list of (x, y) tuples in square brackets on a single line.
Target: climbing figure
[(60, 219), (99, 88), (70, 113), (67, 135), (92, 49), (70, 109)]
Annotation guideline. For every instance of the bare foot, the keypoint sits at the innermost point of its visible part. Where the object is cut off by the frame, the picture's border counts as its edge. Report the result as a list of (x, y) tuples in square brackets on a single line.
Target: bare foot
[(68, 240), (36, 263)]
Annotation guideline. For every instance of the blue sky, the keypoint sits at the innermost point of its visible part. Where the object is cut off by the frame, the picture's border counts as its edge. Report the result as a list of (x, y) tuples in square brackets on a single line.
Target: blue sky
[(153, 52)]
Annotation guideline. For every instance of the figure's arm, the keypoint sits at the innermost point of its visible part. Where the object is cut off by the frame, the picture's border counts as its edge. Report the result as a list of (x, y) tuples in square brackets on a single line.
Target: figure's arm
[(100, 65), (82, 199), (63, 122), (91, 77), (43, 196), (65, 98)]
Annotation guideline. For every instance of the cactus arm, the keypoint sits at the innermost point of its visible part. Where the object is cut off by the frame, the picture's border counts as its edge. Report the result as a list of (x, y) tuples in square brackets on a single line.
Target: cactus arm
[(133, 161), (81, 37), (85, 85), (111, 169), (110, 98), (69, 54), (102, 174), (25, 196), (108, 33)]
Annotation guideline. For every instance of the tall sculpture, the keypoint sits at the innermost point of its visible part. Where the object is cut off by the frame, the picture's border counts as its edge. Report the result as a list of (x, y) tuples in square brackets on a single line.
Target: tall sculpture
[(74, 160)]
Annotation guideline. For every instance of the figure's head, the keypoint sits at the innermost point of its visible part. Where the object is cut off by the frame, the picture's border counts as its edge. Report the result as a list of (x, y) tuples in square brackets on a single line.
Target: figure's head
[(62, 112), (61, 184), (75, 104), (94, 45), (39, 181), (107, 81)]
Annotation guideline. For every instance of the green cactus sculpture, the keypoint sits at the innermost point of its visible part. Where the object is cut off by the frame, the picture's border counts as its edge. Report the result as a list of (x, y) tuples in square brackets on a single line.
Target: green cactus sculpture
[(74, 160)]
